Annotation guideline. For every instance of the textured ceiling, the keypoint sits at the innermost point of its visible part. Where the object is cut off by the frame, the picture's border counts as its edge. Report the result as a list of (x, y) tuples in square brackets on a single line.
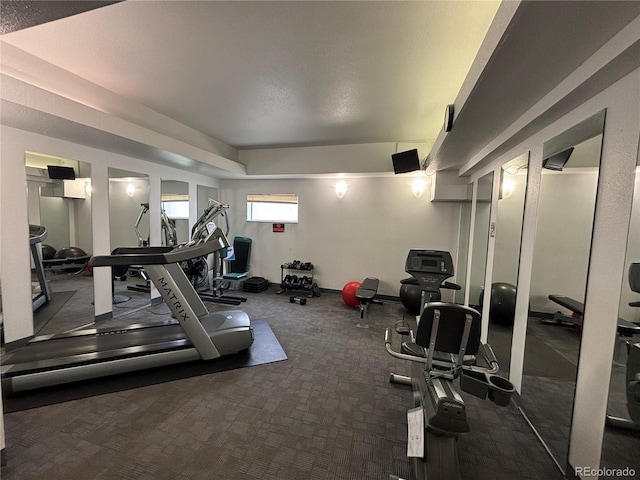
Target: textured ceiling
[(276, 73)]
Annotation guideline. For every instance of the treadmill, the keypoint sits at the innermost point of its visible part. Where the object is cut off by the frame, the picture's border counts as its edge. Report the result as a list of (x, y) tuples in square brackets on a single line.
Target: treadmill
[(38, 234), (85, 354)]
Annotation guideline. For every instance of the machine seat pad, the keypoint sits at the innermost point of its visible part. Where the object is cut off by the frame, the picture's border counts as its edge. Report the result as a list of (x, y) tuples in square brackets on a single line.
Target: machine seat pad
[(410, 348), (367, 290)]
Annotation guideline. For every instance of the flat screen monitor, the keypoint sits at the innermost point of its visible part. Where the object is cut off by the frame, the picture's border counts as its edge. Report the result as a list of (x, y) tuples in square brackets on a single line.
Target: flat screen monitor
[(557, 161), (404, 162), (57, 172)]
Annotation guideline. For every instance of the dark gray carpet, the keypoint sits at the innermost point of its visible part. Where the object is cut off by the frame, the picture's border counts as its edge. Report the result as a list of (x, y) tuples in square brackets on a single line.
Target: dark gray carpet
[(265, 349), (542, 360), (45, 313), (329, 412)]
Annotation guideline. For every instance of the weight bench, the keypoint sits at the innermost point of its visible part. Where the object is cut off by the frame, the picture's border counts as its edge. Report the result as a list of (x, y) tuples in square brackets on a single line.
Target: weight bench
[(366, 294), (625, 328)]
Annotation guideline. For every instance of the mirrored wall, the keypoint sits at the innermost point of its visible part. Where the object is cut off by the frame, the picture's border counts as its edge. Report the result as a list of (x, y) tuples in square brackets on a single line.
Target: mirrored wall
[(463, 251), (621, 445), (129, 227), (566, 208), (480, 238), (508, 235), (175, 212), (204, 195), (59, 201)]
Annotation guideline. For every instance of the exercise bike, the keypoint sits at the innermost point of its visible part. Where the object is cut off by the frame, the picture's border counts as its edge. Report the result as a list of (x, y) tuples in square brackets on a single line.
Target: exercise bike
[(446, 346)]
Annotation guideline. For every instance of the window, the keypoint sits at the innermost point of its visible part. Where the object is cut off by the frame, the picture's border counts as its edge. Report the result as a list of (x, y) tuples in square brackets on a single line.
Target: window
[(272, 208), (176, 206)]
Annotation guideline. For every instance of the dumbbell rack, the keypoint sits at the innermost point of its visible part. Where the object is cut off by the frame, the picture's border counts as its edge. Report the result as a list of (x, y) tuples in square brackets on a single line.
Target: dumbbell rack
[(292, 282)]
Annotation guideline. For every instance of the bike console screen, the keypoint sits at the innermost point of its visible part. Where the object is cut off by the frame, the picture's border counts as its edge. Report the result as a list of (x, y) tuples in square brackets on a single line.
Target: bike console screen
[(430, 267)]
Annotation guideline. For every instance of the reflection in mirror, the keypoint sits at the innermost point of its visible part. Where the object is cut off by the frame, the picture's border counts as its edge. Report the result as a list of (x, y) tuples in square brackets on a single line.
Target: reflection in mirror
[(205, 194), (59, 201), (622, 433), (175, 212), (558, 282), (129, 226), (463, 252), (480, 239), (510, 215)]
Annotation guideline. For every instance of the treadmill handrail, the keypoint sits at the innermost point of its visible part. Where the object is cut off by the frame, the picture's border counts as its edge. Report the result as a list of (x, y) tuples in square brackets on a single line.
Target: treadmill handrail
[(216, 241), (37, 234)]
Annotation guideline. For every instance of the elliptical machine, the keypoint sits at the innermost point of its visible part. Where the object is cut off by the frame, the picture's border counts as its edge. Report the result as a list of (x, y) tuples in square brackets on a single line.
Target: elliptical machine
[(446, 346), (169, 237), (197, 269)]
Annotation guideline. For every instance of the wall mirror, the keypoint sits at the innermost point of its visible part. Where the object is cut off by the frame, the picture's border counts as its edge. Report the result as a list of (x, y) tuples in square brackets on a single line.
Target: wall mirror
[(480, 239), (129, 226), (175, 212), (463, 251), (621, 442), (59, 201), (205, 194), (566, 208), (508, 234)]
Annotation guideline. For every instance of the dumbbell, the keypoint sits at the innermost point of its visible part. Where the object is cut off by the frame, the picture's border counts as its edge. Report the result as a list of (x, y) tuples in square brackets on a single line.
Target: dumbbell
[(301, 301)]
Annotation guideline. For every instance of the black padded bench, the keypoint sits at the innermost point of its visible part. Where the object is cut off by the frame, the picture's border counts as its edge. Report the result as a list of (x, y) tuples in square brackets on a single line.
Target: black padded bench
[(366, 294), (625, 328)]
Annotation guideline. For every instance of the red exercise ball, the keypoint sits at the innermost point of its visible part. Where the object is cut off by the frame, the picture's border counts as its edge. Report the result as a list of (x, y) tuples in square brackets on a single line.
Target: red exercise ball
[(349, 294)]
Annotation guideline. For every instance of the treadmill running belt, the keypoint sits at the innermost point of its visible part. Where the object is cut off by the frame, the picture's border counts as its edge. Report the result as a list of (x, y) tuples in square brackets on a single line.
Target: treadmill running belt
[(94, 348)]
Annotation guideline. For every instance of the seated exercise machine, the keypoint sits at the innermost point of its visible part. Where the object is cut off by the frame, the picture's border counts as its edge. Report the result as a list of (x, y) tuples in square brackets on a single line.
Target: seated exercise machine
[(196, 335), (633, 368), (366, 295), (444, 348), (633, 391), (634, 281)]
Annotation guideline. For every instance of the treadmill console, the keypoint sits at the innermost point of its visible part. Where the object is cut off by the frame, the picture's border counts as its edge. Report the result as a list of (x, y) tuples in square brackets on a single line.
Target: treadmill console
[(429, 267)]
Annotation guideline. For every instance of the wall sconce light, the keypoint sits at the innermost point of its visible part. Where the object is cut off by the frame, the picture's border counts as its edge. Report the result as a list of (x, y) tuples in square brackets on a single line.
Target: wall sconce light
[(507, 188), (130, 189), (417, 187), (341, 188)]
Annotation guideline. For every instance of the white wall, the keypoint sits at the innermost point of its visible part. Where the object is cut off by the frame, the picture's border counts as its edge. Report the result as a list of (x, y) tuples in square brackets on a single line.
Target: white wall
[(54, 214), (124, 211), (509, 231), (479, 252), (365, 234), (563, 237)]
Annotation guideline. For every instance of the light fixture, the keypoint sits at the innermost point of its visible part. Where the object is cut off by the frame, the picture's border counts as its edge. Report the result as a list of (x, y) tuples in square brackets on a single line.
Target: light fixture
[(507, 188), (87, 187), (341, 188), (417, 187), (130, 189)]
